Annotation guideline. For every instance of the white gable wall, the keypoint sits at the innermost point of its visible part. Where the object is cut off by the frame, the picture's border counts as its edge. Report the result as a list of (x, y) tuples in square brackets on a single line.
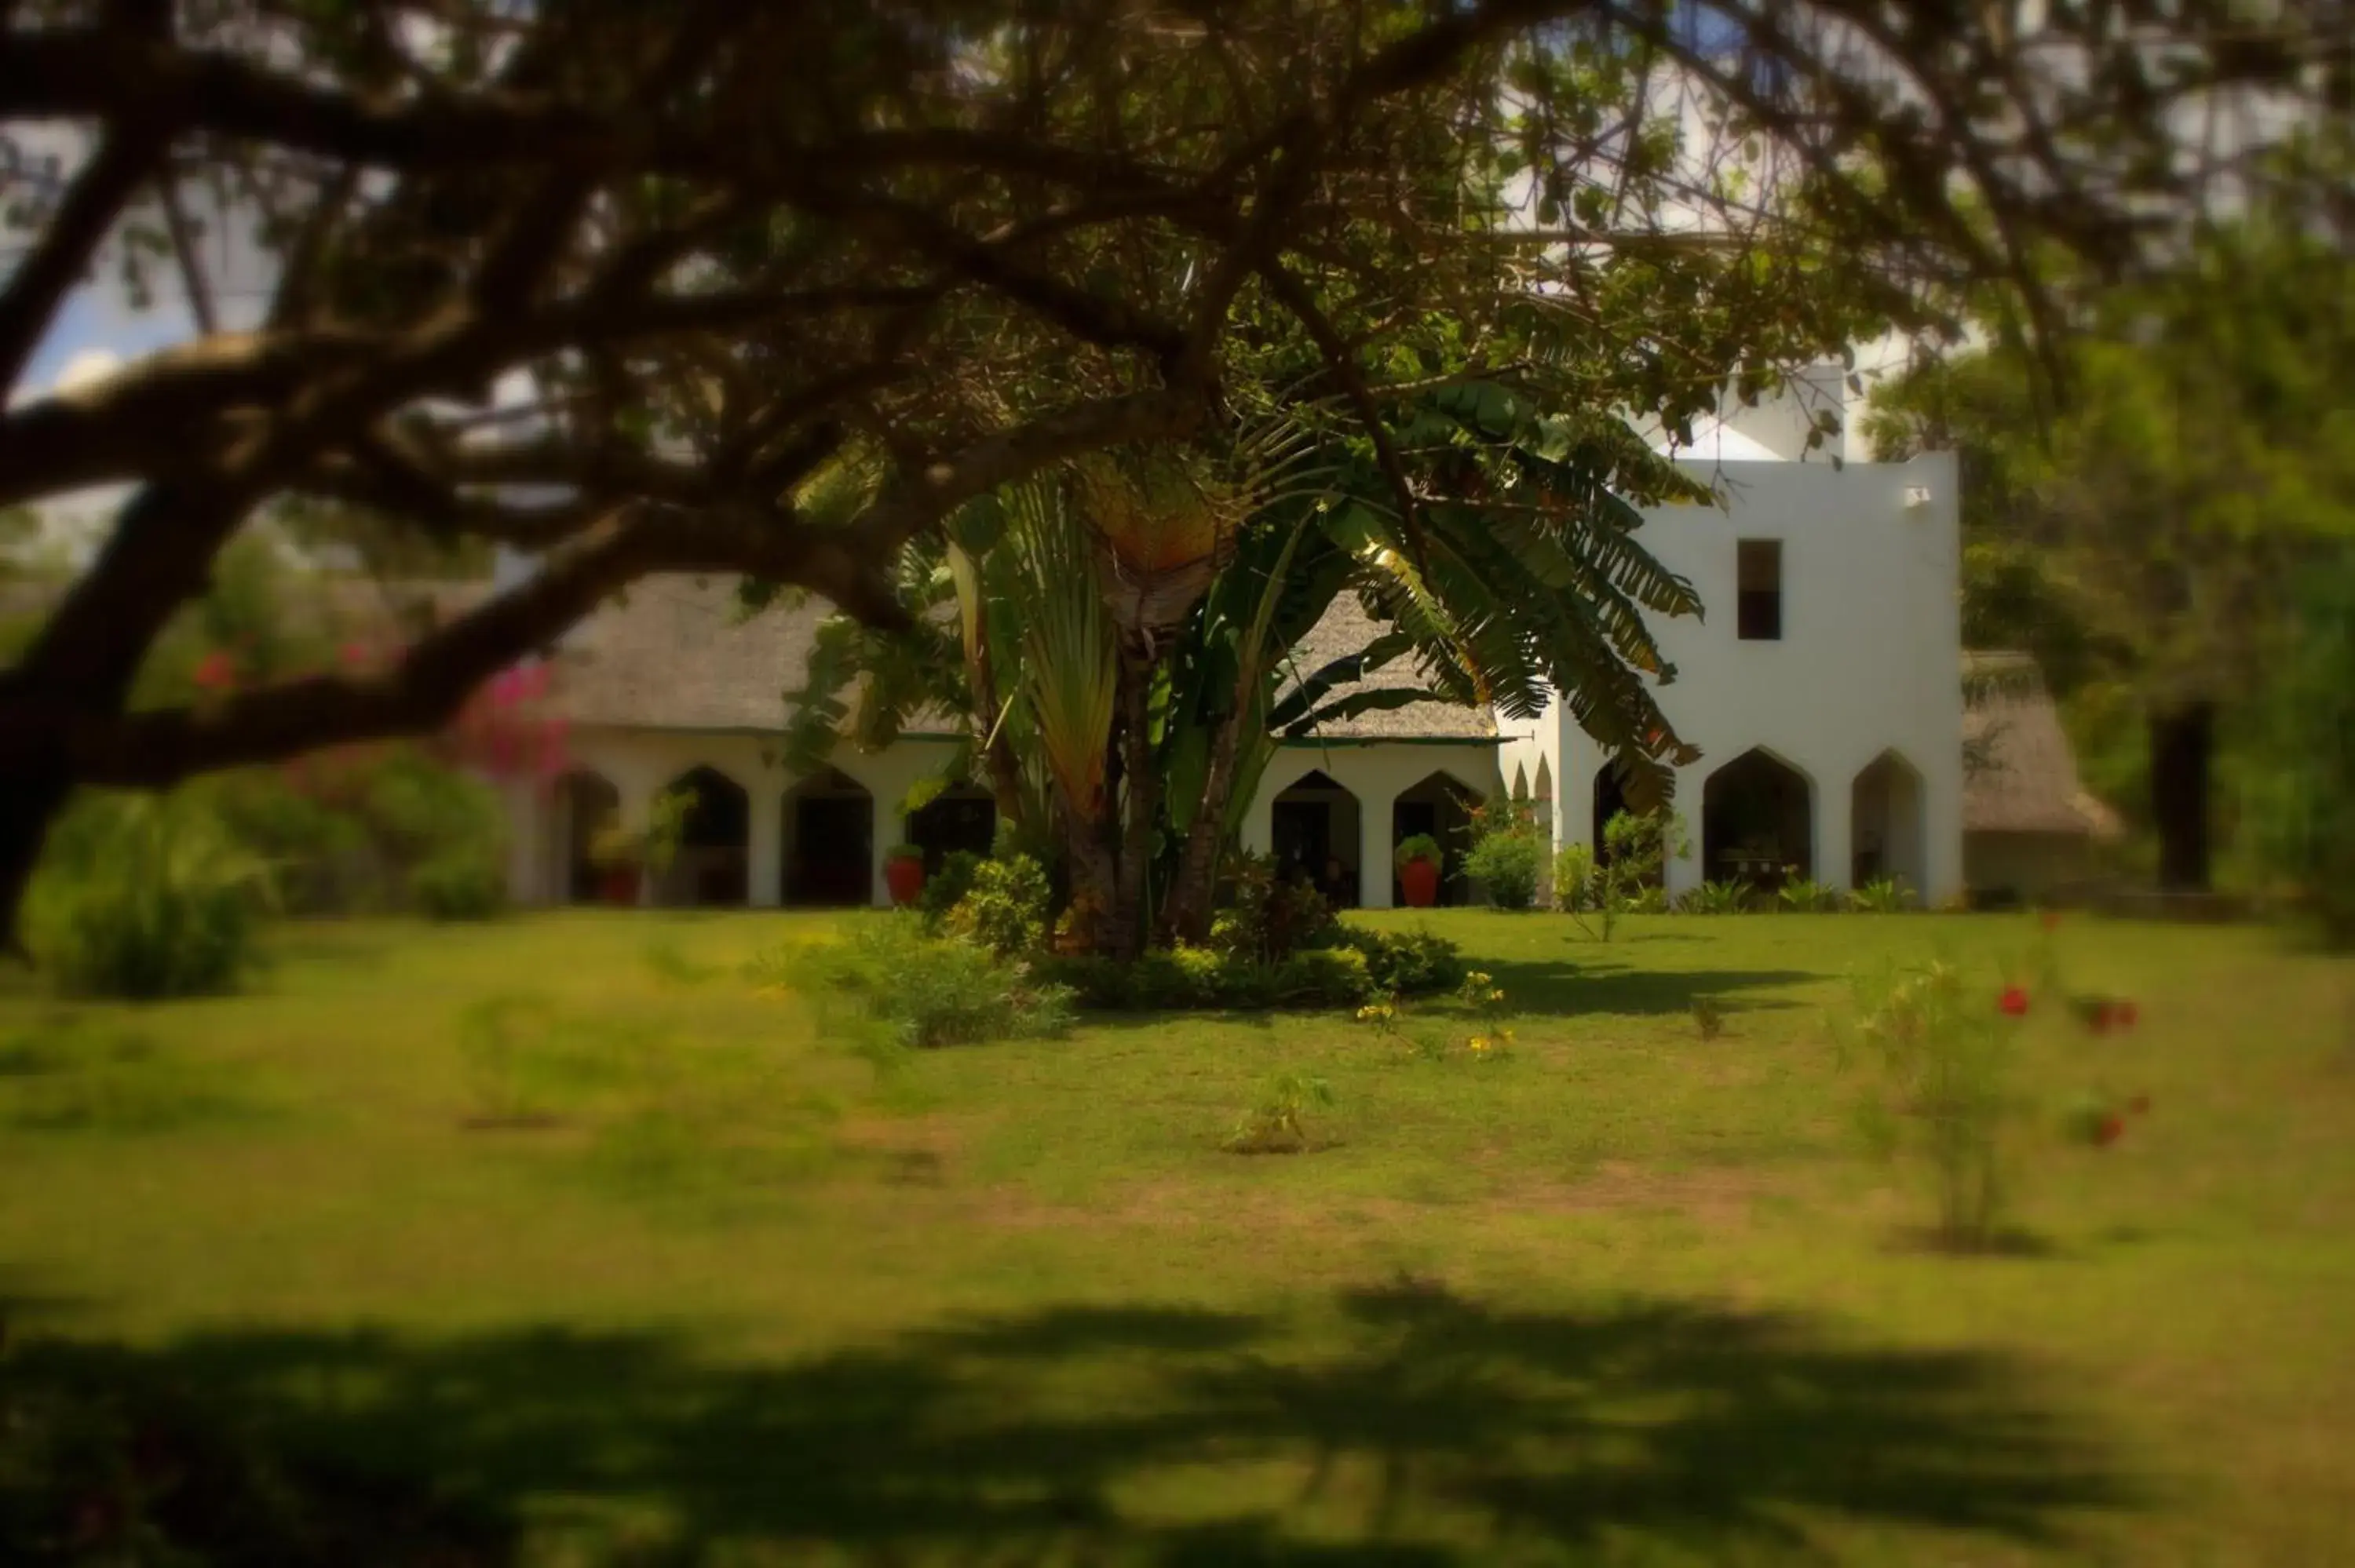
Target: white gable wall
[(1868, 661)]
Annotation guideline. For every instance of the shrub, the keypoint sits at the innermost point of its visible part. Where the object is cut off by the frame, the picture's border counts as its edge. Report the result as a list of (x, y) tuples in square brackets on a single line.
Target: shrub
[(1944, 1095), (946, 888), (1717, 898), (1266, 918), (144, 898), (1004, 913), (1806, 896), (1885, 895), (1709, 1016), (1413, 963), (1574, 877), (1276, 1123), (1626, 875), (929, 991), (459, 884), (1508, 863)]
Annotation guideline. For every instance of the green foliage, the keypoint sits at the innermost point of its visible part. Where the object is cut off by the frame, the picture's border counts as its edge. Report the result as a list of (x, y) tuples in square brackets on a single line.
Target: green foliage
[(1806, 896), (1487, 999), (1415, 847), (1944, 1095), (1884, 896), (1626, 877), (945, 888), (1276, 1122), (1709, 1016), (2302, 800), (1718, 898), (1183, 979), (143, 896), (1004, 914), (459, 884), (1265, 917), (927, 991), (1508, 863), (1406, 963), (1574, 877)]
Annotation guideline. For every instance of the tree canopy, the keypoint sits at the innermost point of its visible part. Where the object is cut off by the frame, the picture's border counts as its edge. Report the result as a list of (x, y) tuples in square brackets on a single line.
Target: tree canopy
[(610, 282)]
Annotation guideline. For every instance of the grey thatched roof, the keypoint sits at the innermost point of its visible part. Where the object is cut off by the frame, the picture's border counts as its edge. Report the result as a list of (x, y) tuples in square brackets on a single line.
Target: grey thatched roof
[(2029, 783), (671, 654), (1347, 629)]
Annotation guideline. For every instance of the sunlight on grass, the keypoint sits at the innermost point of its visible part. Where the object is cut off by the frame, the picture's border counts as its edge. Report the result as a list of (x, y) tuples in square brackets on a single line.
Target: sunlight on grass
[(576, 1212)]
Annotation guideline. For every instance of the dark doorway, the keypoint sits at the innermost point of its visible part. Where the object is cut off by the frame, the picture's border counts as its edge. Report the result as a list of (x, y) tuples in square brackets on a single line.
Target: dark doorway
[(962, 818), (1315, 836), (586, 803), (1757, 821), (714, 841), (829, 843), (1441, 805)]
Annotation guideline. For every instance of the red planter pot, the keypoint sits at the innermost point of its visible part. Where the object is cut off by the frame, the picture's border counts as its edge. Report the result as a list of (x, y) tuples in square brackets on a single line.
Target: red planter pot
[(1419, 880), (621, 886), (905, 877)]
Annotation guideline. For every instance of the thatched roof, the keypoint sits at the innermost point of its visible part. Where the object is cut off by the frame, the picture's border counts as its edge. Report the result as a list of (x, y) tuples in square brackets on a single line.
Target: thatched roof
[(673, 654), (2028, 780), (1347, 629)]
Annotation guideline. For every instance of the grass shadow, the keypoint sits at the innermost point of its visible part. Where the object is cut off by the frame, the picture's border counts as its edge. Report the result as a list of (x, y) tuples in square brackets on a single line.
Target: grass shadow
[(1553, 986), (1408, 1424)]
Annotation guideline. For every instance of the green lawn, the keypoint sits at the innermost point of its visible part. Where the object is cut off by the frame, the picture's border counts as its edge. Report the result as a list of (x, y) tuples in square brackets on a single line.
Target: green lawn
[(564, 1223)]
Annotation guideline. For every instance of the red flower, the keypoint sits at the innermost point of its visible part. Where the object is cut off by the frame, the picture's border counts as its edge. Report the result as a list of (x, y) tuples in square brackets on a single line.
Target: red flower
[(2113, 1128), (2013, 1002), (216, 671)]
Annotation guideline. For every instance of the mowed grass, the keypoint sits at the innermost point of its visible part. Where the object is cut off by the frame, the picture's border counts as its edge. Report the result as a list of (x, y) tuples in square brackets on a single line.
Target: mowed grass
[(566, 1221)]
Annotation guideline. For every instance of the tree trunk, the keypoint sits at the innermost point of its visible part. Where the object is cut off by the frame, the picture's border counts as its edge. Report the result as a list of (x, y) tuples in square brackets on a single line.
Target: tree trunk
[(1140, 803), (29, 801), (2183, 746), (90, 649), (1189, 914)]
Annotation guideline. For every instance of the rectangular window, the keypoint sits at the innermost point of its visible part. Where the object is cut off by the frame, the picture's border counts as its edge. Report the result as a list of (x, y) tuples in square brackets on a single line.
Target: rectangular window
[(1758, 590)]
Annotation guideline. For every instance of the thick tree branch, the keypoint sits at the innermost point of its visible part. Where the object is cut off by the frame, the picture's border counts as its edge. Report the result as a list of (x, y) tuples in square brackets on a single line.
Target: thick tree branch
[(91, 204)]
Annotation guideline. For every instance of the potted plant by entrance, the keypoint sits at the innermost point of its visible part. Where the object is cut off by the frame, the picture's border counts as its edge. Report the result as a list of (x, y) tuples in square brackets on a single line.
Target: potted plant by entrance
[(1417, 857), (619, 856), (903, 873)]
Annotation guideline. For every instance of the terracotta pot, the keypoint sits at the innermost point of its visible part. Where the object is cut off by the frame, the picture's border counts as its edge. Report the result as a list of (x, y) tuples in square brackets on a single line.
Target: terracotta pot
[(904, 875), (1419, 880), (621, 885)]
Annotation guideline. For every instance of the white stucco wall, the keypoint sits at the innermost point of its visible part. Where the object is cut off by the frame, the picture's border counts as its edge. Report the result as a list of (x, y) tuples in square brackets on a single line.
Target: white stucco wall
[(1377, 774), (1868, 661), (641, 764)]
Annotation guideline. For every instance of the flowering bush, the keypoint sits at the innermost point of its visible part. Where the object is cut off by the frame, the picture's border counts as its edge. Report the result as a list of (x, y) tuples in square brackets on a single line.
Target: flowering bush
[(1943, 1096)]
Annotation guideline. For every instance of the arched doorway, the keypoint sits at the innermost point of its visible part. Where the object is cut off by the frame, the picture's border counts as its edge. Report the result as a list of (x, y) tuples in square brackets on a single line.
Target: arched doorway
[(1885, 824), (1314, 835), (1757, 821), (1441, 805), (830, 842), (1611, 800), (584, 803), (714, 844), (962, 817)]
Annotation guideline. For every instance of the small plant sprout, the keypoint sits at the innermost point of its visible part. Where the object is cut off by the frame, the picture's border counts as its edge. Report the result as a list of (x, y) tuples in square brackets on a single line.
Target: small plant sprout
[(1709, 1016), (1276, 1123)]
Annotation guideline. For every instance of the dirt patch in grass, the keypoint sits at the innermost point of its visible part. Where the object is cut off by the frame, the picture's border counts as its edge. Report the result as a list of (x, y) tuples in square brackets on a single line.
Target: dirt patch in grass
[(1721, 1196)]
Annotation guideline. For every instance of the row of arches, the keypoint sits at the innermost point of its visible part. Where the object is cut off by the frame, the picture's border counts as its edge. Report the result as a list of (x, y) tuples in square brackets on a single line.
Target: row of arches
[(1757, 821), (827, 839), (1317, 832)]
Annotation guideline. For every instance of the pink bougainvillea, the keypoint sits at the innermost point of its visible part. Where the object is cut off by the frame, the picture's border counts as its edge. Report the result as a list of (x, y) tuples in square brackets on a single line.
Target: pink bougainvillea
[(507, 729)]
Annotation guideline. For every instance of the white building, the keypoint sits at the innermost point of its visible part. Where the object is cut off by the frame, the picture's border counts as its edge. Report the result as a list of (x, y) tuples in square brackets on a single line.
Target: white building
[(1822, 687)]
